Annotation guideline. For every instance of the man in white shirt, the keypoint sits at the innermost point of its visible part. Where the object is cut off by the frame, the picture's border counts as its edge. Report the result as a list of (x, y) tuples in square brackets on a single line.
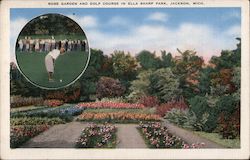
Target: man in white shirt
[(50, 61)]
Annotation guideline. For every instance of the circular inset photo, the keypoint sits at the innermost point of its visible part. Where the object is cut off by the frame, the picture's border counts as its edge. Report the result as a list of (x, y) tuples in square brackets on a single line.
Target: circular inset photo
[(52, 51)]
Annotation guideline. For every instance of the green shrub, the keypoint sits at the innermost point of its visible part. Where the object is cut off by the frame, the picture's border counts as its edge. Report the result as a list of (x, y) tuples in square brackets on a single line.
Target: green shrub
[(229, 116), (206, 116)]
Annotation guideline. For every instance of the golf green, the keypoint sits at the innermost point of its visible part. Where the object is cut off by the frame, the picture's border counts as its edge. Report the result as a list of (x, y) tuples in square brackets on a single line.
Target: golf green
[(67, 68)]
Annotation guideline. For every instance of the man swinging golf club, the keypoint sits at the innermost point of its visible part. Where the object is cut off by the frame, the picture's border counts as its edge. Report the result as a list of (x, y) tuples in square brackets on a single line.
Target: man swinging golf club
[(50, 61)]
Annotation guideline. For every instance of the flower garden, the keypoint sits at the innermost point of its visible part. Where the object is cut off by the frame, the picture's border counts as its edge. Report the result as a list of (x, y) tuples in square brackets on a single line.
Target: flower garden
[(101, 118), (97, 136), (147, 91)]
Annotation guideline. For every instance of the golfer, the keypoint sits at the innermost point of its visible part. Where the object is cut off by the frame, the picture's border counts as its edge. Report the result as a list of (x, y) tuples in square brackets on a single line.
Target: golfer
[(50, 61)]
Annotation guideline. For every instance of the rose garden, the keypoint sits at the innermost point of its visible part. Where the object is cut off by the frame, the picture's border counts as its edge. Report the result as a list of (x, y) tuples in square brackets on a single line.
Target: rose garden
[(151, 101)]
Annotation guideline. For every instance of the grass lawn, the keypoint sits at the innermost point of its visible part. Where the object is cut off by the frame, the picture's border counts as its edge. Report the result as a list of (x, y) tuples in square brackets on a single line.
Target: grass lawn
[(67, 67), (108, 110), (215, 137)]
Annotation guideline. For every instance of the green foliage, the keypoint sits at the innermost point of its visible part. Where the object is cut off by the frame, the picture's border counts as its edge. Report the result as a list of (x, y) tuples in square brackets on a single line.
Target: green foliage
[(205, 80), (164, 85), (124, 65), (140, 86), (206, 116), (177, 116), (91, 76), (51, 24), (109, 87), (228, 59), (167, 59), (148, 60), (187, 68), (227, 104)]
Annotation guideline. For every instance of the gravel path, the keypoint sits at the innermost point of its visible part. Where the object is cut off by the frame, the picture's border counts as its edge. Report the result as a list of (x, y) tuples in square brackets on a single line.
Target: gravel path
[(190, 137), (58, 136), (65, 136), (129, 137)]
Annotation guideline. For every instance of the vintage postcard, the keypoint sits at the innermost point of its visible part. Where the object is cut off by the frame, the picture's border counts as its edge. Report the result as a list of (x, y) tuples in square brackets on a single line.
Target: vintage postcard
[(141, 79)]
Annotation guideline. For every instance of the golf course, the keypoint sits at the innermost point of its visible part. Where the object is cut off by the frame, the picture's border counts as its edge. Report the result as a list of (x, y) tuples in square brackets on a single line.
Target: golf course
[(67, 67)]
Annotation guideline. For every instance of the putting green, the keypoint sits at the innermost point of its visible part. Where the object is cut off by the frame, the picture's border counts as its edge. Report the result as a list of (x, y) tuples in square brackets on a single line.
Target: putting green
[(67, 68)]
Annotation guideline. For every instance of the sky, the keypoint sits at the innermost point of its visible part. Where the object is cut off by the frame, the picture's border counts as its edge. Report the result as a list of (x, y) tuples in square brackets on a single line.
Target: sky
[(205, 30)]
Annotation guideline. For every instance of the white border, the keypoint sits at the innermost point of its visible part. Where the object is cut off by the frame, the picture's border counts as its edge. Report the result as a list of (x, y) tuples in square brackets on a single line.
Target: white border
[(7, 153)]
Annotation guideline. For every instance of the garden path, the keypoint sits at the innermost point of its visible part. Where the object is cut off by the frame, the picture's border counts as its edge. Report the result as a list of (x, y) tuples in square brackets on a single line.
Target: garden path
[(129, 137), (58, 136), (189, 136)]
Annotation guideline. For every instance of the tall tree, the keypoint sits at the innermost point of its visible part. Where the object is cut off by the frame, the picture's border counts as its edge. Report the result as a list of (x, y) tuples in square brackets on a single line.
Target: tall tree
[(187, 68), (164, 84), (148, 60), (167, 59)]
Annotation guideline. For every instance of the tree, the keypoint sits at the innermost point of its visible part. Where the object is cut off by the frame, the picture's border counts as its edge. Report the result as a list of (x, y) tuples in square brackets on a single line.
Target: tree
[(92, 74), (224, 69), (187, 68), (204, 79), (164, 84), (109, 87), (124, 65), (167, 59), (140, 86), (148, 60)]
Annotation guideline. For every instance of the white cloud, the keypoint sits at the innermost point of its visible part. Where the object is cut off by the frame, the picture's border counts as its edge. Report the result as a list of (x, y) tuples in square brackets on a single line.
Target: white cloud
[(85, 21), (233, 31), (201, 38), (158, 16)]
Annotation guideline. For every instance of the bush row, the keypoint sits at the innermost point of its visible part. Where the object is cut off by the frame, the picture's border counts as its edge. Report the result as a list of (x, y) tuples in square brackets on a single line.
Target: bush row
[(118, 117)]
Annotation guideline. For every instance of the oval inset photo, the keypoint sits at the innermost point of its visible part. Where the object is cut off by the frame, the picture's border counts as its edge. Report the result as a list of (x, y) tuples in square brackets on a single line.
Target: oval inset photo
[(52, 51)]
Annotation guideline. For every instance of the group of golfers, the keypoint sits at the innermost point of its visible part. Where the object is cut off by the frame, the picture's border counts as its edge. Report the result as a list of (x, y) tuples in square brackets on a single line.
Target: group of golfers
[(45, 45)]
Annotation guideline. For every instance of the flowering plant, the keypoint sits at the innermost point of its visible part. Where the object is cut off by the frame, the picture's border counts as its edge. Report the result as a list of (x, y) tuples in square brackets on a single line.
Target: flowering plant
[(166, 107), (18, 101), (110, 105), (158, 136), (65, 112), (53, 102), (118, 116), (35, 121), (21, 134), (95, 136)]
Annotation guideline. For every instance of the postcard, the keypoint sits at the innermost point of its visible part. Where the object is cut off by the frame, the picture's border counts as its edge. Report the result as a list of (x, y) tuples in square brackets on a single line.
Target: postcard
[(141, 79)]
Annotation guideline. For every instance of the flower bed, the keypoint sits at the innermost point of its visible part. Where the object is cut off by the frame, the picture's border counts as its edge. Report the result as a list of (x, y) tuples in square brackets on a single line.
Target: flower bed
[(66, 112), (157, 136), (18, 101), (21, 134), (53, 102), (110, 105), (97, 136), (118, 117), (35, 121)]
